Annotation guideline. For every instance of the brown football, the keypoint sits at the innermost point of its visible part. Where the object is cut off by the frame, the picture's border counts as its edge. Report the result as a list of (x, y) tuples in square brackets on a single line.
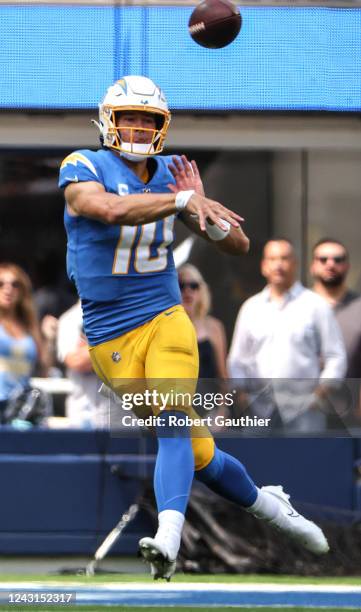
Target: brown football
[(215, 23)]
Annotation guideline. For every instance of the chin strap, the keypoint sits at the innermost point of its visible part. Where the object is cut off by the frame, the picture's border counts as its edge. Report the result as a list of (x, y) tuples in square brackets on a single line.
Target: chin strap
[(95, 122), (101, 138)]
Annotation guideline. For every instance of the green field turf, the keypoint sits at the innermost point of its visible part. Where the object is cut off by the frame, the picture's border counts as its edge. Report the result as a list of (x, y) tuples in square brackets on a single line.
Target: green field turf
[(212, 578)]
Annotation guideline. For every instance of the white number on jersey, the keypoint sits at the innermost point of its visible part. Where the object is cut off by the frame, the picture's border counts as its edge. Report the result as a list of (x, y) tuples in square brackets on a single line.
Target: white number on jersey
[(143, 260)]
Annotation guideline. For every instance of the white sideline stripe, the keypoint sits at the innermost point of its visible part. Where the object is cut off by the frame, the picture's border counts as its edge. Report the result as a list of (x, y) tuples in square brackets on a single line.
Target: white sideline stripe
[(180, 587)]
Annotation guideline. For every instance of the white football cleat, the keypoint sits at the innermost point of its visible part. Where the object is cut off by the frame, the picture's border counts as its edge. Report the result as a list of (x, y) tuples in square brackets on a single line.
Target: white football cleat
[(294, 525), (154, 553)]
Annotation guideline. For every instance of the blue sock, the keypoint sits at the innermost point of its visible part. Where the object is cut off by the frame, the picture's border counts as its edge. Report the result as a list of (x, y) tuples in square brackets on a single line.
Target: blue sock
[(228, 477), (174, 468)]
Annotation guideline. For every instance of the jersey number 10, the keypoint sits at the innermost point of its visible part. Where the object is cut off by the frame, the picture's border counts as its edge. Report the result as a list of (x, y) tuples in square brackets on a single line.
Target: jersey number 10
[(136, 247)]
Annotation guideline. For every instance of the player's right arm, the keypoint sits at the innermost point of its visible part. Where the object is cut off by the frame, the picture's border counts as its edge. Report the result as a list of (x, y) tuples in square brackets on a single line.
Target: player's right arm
[(186, 176), (89, 199)]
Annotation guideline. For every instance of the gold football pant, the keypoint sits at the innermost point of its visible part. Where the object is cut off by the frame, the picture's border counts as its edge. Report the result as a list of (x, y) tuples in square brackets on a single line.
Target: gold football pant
[(160, 355)]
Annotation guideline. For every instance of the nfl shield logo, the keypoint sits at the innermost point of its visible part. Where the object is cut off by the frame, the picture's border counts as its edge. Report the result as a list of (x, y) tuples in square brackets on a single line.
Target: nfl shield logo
[(123, 189)]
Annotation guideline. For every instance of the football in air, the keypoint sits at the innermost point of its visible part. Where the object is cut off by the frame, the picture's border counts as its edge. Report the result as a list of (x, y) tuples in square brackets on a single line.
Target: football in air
[(215, 23)]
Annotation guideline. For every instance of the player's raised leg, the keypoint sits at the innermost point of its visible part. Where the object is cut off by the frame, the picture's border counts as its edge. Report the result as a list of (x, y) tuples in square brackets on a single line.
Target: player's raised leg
[(228, 477), (219, 470)]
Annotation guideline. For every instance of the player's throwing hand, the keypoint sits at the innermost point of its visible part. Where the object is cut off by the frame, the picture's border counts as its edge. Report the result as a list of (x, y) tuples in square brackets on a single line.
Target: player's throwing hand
[(212, 212), (187, 177)]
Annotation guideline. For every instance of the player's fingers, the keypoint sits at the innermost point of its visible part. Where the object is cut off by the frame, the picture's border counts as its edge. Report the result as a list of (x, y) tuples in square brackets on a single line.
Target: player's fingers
[(181, 173), (237, 217), (172, 187), (172, 169), (177, 174), (178, 164), (201, 218), (187, 166), (214, 218), (202, 222), (219, 212), (230, 219), (195, 169), (231, 214)]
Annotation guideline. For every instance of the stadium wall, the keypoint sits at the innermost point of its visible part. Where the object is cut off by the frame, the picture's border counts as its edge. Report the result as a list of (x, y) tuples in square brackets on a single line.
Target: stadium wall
[(63, 495)]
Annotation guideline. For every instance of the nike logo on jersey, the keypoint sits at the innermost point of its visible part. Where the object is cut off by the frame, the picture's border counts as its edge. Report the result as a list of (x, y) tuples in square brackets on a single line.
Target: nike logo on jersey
[(73, 179), (169, 313)]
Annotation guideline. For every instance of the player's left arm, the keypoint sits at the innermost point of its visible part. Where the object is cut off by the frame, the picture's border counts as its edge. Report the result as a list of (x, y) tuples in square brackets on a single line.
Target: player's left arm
[(186, 176), (235, 243)]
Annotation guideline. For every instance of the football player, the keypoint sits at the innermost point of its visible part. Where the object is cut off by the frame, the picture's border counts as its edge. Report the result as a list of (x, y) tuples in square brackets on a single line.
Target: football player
[(121, 204)]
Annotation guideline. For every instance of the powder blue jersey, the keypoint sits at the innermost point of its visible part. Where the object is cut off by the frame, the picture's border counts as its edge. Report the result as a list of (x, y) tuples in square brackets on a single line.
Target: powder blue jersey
[(125, 275), (17, 361)]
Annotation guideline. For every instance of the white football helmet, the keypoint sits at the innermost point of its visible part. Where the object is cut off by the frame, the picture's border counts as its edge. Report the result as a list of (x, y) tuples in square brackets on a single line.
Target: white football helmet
[(133, 93)]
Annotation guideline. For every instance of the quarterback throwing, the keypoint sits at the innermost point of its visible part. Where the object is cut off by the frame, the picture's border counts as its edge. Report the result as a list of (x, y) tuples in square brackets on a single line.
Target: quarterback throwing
[(121, 205)]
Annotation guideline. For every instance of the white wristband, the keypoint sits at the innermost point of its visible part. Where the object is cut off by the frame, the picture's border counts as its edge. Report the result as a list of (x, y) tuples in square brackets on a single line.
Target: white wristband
[(216, 233), (182, 198)]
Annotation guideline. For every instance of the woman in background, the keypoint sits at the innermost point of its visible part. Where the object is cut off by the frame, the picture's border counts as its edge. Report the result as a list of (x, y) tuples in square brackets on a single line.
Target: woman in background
[(211, 335), (21, 346)]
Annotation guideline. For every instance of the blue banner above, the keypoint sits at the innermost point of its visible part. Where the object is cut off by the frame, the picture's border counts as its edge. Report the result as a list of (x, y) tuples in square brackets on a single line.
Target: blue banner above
[(284, 59)]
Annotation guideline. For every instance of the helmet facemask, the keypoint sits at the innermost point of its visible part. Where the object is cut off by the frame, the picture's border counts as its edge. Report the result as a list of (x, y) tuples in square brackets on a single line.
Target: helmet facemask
[(151, 140)]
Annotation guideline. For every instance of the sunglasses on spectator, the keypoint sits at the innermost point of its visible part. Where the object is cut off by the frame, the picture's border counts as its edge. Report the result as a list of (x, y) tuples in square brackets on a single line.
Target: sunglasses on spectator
[(14, 284), (191, 285), (337, 259)]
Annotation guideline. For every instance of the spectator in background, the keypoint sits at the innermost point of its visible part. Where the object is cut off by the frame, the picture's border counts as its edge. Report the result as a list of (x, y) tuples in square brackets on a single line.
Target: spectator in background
[(329, 268), (49, 332), (21, 345), (85, 406), (211, 336), (53, 296), (287, 335)]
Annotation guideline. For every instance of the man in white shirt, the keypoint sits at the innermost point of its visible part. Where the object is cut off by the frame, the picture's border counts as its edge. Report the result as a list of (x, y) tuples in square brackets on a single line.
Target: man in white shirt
[(287, 335)]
